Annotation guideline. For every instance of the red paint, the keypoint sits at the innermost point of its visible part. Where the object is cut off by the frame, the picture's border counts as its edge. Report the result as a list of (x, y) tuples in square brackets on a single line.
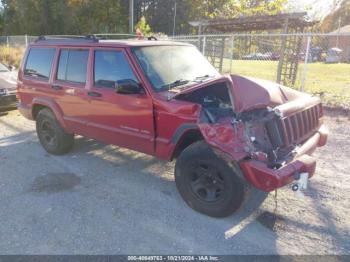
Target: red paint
[(267, 179), (154, 124), (225, 137)]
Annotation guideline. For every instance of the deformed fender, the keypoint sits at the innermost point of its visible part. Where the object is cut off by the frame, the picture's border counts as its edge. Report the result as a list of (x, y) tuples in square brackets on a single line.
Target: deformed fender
[(226, 137), (51, 105)]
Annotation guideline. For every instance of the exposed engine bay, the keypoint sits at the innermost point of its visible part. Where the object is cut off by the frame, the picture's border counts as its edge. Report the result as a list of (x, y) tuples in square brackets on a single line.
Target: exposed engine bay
[(217, 106), (263, 132), (215, 101)]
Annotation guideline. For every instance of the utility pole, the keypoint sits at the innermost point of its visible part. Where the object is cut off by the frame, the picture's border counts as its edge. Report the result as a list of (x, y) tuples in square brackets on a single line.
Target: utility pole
[(339, 25), (174, 19), (131, 16)]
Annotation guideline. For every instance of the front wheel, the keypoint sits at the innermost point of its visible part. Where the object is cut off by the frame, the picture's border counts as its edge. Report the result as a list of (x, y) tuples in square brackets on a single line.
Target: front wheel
[(207, 183)]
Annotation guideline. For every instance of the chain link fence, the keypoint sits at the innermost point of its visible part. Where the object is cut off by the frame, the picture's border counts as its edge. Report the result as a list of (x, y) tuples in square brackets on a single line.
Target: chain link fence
[(13, 47), (17, 40), (315, 63)]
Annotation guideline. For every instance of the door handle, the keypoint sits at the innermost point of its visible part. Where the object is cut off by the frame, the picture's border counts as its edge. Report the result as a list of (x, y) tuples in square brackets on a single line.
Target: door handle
[(94, 94), (56, 87)]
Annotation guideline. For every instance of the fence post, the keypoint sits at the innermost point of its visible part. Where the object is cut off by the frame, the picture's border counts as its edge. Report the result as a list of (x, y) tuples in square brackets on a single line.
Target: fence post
[(7, 42), (305, 63), (203, 45), (232, 52), (26, 40)]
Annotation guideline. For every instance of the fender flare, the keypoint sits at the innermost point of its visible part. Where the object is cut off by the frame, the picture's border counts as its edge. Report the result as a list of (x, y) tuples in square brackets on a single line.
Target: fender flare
[(179, 134), (53, 106), (182, 130)]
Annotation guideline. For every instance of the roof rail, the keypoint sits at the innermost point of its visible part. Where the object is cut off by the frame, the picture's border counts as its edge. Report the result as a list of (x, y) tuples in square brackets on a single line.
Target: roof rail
[(91, 38), (114, 36), (152, 37)]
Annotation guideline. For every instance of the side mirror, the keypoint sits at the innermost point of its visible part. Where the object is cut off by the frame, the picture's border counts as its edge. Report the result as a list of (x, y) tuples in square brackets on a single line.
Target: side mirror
[(128, 87)]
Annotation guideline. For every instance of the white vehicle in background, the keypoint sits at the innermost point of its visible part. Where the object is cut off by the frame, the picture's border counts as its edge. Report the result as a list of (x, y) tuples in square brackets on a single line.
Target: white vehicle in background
[(333, 55), (8, 84)]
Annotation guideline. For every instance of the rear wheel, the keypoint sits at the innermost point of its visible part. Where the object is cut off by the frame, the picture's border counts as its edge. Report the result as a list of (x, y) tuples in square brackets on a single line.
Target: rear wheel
[(51, 135), (208, 184)]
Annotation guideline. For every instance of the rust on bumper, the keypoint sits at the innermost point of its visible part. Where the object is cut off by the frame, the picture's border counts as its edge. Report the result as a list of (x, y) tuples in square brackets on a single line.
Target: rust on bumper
[(267, 179)]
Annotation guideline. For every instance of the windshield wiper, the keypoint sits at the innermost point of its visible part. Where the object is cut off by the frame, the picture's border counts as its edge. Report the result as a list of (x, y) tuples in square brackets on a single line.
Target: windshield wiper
[(203, 77), (176, 83)]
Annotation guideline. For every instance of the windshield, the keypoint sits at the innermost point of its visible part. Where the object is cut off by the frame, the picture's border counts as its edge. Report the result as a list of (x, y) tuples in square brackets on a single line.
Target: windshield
[(3, 68), (168, 67)]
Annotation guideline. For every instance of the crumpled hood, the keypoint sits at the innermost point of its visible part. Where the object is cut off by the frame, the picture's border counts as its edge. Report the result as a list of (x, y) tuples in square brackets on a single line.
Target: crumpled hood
[(251, 93)]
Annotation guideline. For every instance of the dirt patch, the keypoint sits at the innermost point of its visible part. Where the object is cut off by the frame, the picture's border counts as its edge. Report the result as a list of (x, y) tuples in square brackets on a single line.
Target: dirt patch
[(271, 221), (55, 182)]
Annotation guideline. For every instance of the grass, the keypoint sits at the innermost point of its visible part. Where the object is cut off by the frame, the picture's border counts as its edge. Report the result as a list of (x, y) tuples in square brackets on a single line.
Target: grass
[(330, 81), (11, 55)]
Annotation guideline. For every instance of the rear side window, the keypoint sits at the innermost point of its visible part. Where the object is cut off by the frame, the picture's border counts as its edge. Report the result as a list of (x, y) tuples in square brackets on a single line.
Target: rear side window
[(72, 65), (111, 66), (39, 62)]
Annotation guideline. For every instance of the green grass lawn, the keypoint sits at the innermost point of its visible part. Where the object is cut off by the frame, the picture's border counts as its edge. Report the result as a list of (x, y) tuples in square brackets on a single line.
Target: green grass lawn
[(330, 80)]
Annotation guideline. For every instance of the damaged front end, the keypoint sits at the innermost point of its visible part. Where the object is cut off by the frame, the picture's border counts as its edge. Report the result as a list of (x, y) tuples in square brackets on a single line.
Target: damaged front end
[(268, 129)]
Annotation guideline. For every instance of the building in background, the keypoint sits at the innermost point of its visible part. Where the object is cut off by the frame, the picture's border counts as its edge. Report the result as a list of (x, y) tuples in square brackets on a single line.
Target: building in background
[(341, 42)]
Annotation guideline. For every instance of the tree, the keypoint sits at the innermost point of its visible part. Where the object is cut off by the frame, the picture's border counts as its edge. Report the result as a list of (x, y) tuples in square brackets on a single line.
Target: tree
[(160, 13), (36, 17), (144, 27), (339, 17), (39, 17)]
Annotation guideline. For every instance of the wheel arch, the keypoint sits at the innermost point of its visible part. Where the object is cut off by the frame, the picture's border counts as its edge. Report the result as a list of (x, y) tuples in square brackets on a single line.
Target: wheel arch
[(39, 104), (185, 136)]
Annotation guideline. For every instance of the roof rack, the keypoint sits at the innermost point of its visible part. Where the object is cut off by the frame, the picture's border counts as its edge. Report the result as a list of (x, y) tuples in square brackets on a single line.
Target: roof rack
[(91, 38), (114, 36)]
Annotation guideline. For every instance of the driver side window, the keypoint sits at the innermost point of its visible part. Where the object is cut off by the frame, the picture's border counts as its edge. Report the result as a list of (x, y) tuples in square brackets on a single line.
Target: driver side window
[(111, 66)]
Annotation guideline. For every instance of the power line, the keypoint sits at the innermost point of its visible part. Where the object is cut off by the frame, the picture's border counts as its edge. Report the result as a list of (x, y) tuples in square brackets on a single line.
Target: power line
[(174, 18), (131, 16)]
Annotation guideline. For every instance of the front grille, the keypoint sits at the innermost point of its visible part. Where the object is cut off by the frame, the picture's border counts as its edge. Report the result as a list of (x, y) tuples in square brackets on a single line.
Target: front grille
[(299, 126)]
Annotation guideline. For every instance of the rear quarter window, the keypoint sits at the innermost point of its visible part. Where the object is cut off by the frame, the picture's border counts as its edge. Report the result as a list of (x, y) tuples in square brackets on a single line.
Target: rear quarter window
[(39, 62)]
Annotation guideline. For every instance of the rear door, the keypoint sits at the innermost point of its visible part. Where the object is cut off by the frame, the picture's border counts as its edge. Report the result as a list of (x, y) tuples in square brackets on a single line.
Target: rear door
[(70, 80), (121, 119)]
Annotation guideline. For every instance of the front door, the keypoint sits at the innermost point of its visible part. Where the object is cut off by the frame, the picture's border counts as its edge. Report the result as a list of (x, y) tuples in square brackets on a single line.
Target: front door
[(122, 119)]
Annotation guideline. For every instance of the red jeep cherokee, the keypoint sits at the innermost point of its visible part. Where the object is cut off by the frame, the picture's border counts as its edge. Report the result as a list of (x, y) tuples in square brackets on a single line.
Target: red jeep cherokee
[(233, 137)]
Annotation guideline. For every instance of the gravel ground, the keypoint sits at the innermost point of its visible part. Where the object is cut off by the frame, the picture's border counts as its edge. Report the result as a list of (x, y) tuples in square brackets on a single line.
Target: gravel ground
[(101, 199)]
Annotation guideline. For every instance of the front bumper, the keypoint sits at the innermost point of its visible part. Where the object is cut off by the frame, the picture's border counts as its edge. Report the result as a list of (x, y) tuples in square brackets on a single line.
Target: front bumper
[(267, 179), (7, 101), (25, 111)]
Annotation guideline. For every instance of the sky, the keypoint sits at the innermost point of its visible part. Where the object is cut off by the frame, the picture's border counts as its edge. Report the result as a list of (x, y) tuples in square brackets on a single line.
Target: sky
[(317, 9)]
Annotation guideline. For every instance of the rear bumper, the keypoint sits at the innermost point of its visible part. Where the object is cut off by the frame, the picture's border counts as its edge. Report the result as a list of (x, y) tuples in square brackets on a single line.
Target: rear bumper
[(267, 179), (8, 101)]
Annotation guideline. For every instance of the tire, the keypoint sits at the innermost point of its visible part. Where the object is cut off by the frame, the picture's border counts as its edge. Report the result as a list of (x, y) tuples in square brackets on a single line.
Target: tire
[(209, 185), (51, 135)]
